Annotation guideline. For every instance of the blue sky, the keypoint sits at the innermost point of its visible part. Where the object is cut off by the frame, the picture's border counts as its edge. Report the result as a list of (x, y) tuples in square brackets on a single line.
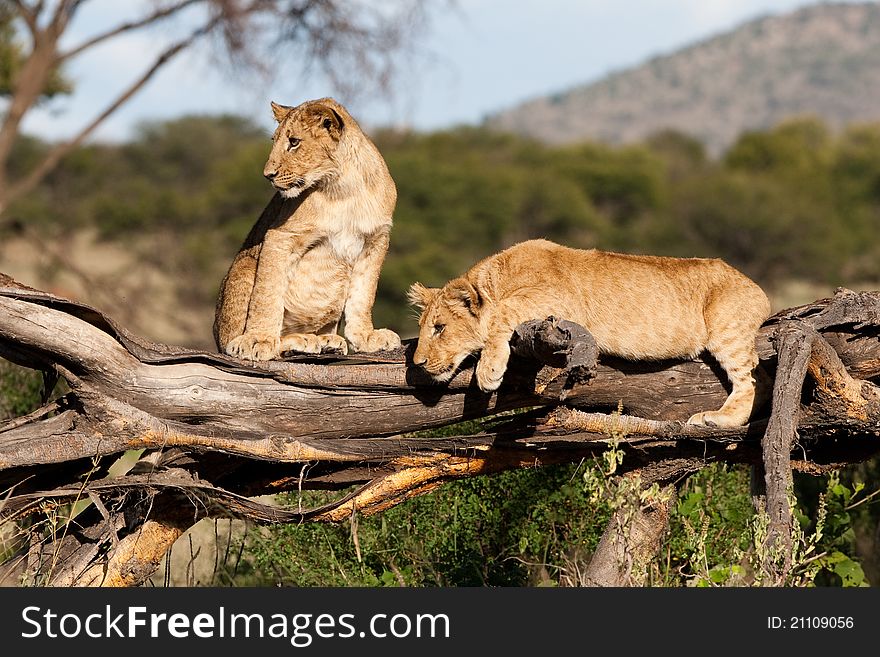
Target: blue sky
[(479, 57)]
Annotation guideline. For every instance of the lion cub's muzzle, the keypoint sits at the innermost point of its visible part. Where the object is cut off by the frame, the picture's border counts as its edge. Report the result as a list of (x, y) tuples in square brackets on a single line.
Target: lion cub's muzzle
[(286, 183), (438, 372)]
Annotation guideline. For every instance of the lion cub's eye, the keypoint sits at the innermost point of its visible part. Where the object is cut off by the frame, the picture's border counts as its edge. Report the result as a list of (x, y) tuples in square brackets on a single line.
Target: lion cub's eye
[(292, 143), (438, 329)]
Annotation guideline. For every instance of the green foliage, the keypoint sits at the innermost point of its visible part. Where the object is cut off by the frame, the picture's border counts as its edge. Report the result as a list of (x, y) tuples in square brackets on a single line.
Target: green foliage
[(795, 202), (538, 527), (622, 182), (20, 390), (716, 539), (680, 152), (756, 224), (831, 534), (709, 528), (796, 148), (510, 529)]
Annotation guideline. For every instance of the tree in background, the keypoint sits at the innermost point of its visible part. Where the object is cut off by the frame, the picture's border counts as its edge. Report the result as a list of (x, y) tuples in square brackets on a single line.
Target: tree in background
[(338, 36)]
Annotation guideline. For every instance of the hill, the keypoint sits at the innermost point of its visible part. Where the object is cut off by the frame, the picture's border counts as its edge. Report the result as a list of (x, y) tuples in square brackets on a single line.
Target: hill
[(822, 60)]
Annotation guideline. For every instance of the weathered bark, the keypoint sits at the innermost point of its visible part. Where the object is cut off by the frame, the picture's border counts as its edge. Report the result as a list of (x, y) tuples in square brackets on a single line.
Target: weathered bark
[(131, 560), (793, 343), (630, 543), (218, 430)]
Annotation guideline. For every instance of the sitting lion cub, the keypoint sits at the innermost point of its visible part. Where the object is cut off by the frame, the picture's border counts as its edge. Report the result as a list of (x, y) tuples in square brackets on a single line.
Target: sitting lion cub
[(637, 307), (315, 253)]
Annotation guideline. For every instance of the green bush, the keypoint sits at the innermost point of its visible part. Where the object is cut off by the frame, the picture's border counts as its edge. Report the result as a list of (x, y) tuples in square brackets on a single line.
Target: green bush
[(540, 526), (20, 390), (510, 529)]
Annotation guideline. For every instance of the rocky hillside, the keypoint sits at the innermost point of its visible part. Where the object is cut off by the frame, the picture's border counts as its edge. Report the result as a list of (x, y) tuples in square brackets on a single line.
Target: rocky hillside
[(822, 60)]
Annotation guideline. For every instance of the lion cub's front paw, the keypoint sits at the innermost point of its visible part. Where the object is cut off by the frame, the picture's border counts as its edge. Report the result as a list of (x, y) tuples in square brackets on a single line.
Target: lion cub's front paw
[(254, 346), (334, 344), (490, 372), (375, 340)]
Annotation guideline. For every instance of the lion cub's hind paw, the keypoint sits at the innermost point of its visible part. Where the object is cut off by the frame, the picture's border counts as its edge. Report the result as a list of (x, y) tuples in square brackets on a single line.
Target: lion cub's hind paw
[(310, 343), (716, 419)]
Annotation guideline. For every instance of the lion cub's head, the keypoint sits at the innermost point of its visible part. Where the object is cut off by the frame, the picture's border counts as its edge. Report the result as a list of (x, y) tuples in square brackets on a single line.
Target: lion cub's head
[(449, 326), (304, 145)]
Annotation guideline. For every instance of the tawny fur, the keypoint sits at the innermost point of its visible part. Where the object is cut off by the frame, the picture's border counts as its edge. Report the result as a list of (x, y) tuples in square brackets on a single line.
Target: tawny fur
[(637, 307), (315, 253)]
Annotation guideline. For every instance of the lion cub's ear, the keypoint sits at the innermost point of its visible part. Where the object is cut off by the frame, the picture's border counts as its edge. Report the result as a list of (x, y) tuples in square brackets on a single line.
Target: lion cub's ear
[(280, 112), (421, 296), (328, 119), (462, 290)]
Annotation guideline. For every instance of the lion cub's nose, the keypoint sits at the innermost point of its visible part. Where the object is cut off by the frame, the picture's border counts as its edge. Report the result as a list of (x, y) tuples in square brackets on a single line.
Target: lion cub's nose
[(419, 360), (270, 174)]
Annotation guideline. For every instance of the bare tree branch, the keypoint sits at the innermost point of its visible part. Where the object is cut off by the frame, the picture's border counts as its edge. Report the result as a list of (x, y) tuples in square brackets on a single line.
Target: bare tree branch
[(64, 11), (57, 153), (123, 28), (364, 35), (217, 430), (29, 15)]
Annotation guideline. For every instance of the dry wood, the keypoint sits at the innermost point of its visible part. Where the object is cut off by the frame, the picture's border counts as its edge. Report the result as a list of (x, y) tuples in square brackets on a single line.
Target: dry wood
[(630, 544), (793, 346), (216, 431)]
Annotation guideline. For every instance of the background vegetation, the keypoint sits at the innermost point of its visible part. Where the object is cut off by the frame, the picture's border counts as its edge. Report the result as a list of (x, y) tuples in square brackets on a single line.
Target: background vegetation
[(799, 202)]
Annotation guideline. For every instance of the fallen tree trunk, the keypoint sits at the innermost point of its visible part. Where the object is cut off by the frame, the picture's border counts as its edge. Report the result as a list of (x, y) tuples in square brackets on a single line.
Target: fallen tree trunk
[(216, 431)]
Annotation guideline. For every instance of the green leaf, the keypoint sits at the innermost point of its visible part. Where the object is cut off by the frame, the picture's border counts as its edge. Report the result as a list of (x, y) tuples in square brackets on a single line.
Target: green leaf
[(690, 504), (850, 572)]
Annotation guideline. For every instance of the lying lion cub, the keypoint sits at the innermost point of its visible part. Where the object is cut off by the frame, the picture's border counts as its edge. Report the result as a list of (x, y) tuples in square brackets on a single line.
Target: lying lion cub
[(637, 307)]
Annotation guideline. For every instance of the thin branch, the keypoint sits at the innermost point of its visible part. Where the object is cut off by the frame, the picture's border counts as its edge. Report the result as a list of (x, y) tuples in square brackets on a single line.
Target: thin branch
[(867, 498), (63, 13), (626, 425), (38, 414), (29, 15), (58, 152), (28, 84), (126, 27)]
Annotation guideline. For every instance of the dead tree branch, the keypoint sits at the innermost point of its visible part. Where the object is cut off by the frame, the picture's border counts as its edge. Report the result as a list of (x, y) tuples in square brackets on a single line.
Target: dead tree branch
[(216, 431)]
